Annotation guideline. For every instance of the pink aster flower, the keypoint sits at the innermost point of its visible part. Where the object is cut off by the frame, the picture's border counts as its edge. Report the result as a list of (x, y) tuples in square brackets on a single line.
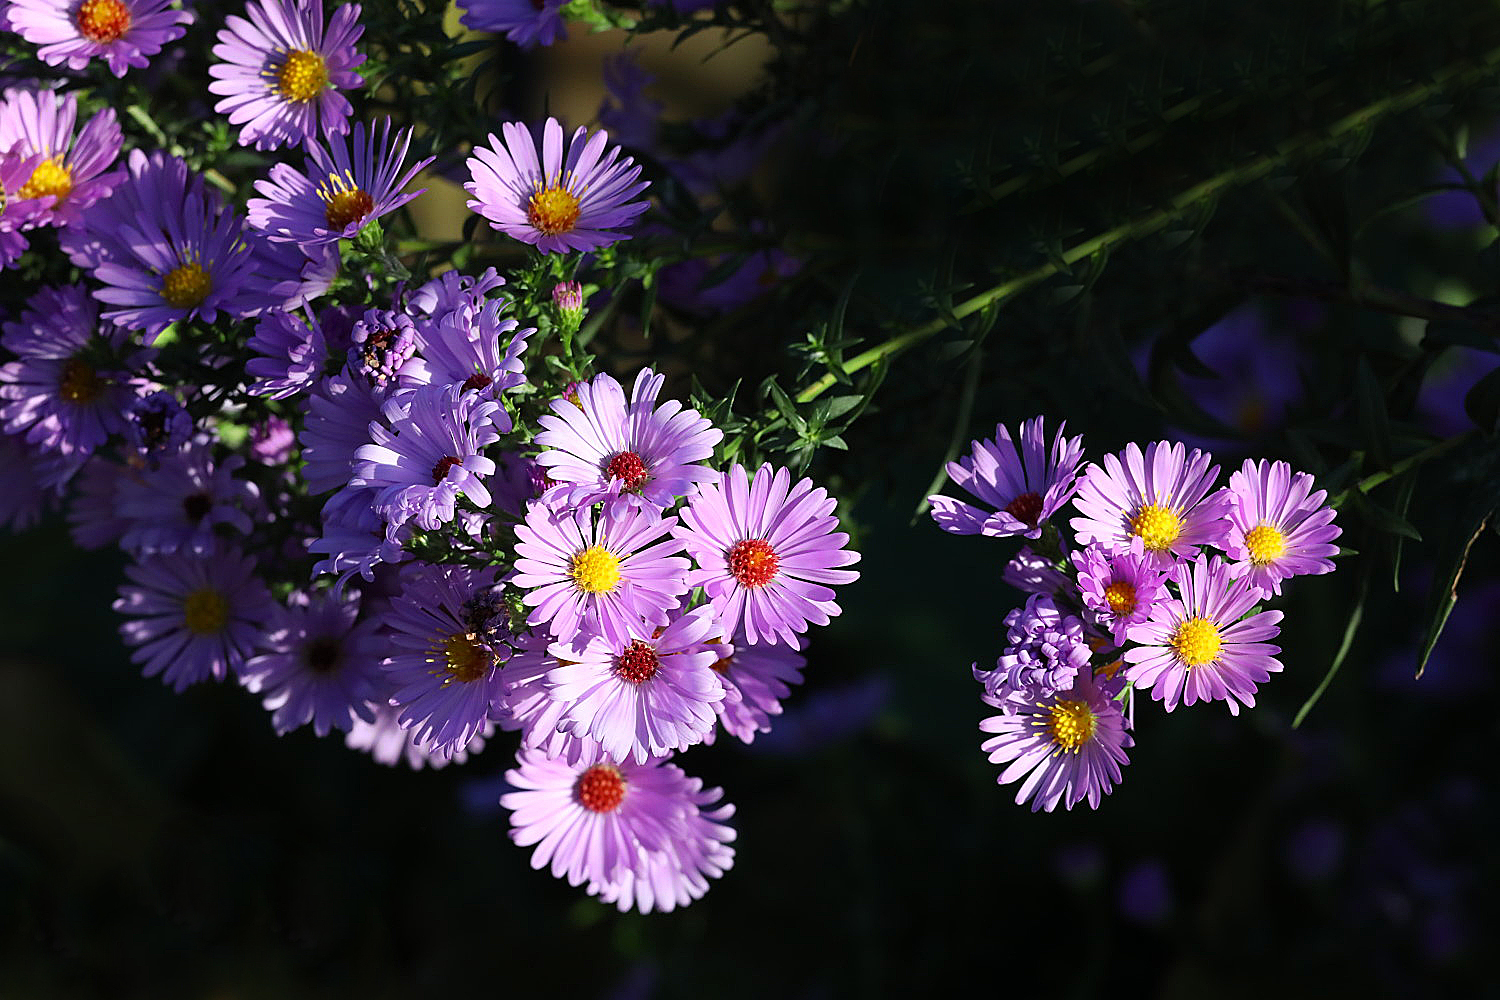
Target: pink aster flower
[(1120, 588), (1027, 485), (603, 447), (766, 551), (1281, 528), (125, 33), (755, 679), (387, 743), (1197, 648), (1160, 497), (16, 213), (1068, 746), (529, 708), (643, 697), (598, 573), (556, 204), (679, 873), (73, 172), (344, 186), (280, 72)]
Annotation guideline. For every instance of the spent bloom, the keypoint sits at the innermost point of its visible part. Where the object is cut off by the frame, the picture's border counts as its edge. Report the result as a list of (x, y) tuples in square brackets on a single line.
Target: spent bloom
[(1045, 652), (1026, 485), (1281, 528), (124, 33), (1161, 496)]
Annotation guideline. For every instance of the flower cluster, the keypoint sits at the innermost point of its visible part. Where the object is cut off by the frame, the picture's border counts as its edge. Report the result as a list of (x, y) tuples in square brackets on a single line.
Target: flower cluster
[(1135, 602)]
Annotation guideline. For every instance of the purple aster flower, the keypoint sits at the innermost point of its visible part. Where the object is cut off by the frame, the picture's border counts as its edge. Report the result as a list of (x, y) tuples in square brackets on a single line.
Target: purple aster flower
[(319, 664), (1160, 497), (1120, 588), (124, 32), (452, 292), (471, 348), (431, 454), (151, 181), (355, 537), (194, 617), (1068, 746), (57, 393), (765, 552), (678, 873), (529, 708), (22, 496), (1281, 528), (178, 504), (553, 203), (528, 23), (1028, 486), (93, 517), (598, 573), (388, 743), (293, 354), (284, 277), (346, 185), (158, 425), (755, 679), (1046, 651), (72, 171), (603, 447), (644, 696), (384, 346), (1196, 648), (443, 675), (280, 72), (1035, 574), (339, 413), (16, 213), (272, 441)]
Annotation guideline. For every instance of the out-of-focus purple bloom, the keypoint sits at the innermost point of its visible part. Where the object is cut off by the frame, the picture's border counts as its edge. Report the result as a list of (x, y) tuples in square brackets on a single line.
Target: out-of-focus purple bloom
[(825, 717), (1314, 849), (178, 504), (22, 495), (1145, 895), (528, 23), (272, 441)]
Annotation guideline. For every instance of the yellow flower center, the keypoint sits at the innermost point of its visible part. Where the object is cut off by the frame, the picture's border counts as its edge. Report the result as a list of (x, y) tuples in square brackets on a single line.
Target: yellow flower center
[(464, 659), (1196, 642), (1266, 544), (1120, 596), (205, 611), (595, 570), (344, 201), (103, 21), (1157, 526), (303, 76), (79, 382), (186, 285), (1072, 723), (50, 177), (553, 210)]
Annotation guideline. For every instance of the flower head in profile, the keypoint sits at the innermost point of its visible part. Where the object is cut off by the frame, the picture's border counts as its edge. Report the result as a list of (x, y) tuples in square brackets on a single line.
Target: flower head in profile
[(1201, 647), (556, 203), (1026, 485), (280, 72), (124, 33), (1281, 528), (1161, 496), (72, 171), (528, 23), (755, 677)]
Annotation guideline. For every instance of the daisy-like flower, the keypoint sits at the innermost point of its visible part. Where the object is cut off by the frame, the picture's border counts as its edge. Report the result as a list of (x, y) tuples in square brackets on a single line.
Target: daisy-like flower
[(528, 23), (158, 425), (755, 679), (345, 185), (679, 873), (766, 551), (1027, 485), (1281, 527), (1046, 651), (292, 355), (471, 348), (1119, 588), (17, 213), (339, 413), (124, 33), (598, 574), (1197, 648), (432, 453), (193, 617), (604, 447), (73, 172), (319, 664), (178, 504), (285, 278), (152, 180), (57, 393), (444, 676), (280, 72), (643, 697), (1161, 497), (1068, 746), (556, 204), (529, 708), (387, 743)]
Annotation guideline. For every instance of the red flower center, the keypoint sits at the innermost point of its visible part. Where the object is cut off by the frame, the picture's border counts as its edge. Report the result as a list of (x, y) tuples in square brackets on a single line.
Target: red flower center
[(103, 21), (479, 380), (638, 663), (440, 471), (601, 788), (1026, 508), (753, 562), (627, 467)]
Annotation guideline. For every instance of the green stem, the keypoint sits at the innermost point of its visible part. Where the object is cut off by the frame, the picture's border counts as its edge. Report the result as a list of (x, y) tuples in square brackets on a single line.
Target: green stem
[(1373, 480)]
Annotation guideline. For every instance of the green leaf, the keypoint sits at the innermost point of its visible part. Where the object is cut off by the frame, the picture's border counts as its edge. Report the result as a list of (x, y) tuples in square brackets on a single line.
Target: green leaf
[(1403, 501), (1351, 627), (1372, 414), (1385, 520)]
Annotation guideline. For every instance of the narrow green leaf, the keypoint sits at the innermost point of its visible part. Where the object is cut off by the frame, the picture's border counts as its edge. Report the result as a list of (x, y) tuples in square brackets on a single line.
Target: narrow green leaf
[(1403, 502), (1387, 521), (1445, 590), (1372, 414), (1351, 627)]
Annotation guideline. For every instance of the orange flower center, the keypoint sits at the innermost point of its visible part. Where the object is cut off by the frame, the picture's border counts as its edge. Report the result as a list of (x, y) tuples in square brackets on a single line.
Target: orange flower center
[(553, 210), (753, 562), (103, 21), (601, 788), (50, 177)]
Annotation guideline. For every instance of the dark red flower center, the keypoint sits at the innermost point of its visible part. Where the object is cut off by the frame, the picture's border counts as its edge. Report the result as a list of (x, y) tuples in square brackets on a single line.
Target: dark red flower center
[(479, 380), (197, 506), (321, 655), (1026, 508), (753, 562), (601, 788), (627, 467), (637, 663), (440, 471)]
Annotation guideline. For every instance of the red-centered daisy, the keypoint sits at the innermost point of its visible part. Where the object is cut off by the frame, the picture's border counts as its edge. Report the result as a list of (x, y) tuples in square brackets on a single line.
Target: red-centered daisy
[(1026, 485), (1161, 497)]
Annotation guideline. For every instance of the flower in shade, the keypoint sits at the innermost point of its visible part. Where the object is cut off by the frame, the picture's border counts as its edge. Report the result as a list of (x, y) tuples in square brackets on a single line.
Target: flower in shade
[(528, 23), (598, 573), (57, 393), (766, 551), (1067, 746), (22, 496), (193, 617), (1161, 497), (340, 410), (151, 181), (292, 355), (93, 517), (345, 185), (281, 72), (555, 203), (386, 742), (679, 873), (1197, 648), (755, 679), (1046, 651), (471, 348), (1120, 588), (1026, 485), (1035, 574), (644, 696), (1281, 528), (73, 172), (123, 32), (284, 278), (604, 447), (319, 664), (179, 503), (158, 425)]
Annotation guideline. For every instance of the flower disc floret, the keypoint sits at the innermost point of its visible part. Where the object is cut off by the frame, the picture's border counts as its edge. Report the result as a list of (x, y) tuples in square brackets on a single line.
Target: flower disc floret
[(1072, 723), (595, 570), (600, 789), (302, 76)]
